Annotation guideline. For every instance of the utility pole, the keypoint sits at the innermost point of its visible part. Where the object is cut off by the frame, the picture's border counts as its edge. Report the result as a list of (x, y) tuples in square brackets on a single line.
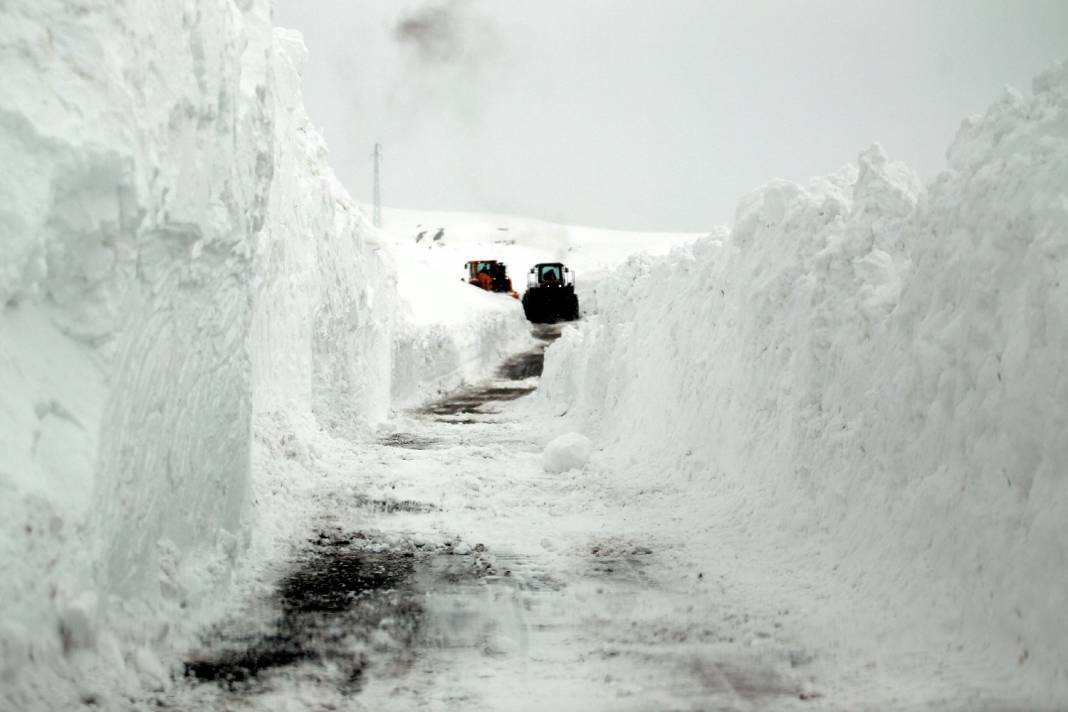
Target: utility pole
[(378, 186)]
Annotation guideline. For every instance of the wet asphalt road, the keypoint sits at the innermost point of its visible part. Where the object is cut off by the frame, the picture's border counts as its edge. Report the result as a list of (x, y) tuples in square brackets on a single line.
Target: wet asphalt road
[(343, 585)]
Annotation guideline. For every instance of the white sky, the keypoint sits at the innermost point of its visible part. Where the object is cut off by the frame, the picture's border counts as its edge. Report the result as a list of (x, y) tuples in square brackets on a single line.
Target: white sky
[(651, 114)]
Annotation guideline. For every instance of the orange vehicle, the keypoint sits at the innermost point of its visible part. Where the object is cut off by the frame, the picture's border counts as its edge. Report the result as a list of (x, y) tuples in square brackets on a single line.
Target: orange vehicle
[(490, 275)]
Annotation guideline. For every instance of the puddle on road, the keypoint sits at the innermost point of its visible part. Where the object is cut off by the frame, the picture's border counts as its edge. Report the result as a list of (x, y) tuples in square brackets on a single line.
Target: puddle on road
[(360, 616), (353, 608), (349, 607), (341, 602)]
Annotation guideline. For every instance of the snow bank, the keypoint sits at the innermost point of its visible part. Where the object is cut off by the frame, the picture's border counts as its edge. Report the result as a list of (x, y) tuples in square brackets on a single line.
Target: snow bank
[(137, 165), (188, 298), (870, 375)]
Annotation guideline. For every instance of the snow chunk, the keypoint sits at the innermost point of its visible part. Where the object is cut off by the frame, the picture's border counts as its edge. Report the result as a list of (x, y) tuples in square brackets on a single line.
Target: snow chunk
[(570, 451)]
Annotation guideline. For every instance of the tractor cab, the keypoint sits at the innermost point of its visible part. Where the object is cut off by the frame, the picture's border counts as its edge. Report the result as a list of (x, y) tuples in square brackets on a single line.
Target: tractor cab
[(550, 274)]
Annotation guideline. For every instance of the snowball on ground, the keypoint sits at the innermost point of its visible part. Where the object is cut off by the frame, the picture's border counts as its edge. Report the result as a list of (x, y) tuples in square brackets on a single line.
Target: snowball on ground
[(570, 451)]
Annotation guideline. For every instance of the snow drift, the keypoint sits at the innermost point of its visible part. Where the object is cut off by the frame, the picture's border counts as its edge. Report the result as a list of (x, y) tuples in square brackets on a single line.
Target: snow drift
[(871, 375), (185, 291)]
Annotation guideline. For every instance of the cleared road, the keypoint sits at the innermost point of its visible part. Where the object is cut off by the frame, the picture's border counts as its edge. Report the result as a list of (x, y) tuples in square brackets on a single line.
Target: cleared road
[(452, 573)]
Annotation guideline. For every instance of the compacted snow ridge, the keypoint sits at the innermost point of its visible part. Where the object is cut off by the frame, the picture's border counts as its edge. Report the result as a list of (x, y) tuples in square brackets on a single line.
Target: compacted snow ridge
[(257, 454)]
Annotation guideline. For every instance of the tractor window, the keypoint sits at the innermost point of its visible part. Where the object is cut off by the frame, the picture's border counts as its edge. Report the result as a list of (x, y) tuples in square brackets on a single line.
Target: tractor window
[(550, 273)]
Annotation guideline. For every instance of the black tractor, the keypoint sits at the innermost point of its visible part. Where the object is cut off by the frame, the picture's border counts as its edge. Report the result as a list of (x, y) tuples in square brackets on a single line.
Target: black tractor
[(550, 295)]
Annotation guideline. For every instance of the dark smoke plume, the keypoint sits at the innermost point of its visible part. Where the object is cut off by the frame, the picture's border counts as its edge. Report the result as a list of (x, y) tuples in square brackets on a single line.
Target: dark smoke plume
[(432, 31), (436, 32)]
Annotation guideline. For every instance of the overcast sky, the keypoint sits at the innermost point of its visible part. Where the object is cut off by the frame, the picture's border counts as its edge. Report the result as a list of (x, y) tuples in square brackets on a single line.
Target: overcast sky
[(649, 114)]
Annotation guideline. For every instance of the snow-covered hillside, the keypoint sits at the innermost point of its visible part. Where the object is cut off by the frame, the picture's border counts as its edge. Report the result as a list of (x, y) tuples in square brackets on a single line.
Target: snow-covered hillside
[(190, 306), (868, 378), (448, 240)]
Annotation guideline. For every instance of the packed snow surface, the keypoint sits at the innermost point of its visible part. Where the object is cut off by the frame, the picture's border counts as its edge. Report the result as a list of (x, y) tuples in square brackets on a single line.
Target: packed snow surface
[(868, 378)]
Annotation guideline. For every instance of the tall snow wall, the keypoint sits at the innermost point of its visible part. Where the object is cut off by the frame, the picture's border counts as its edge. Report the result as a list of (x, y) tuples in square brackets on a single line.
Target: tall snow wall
[(325, 292), (138, 153), (870, 374), (185, 290)]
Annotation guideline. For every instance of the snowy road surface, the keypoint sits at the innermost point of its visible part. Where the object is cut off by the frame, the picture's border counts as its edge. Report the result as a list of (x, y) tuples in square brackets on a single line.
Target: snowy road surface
[(448, 571)]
